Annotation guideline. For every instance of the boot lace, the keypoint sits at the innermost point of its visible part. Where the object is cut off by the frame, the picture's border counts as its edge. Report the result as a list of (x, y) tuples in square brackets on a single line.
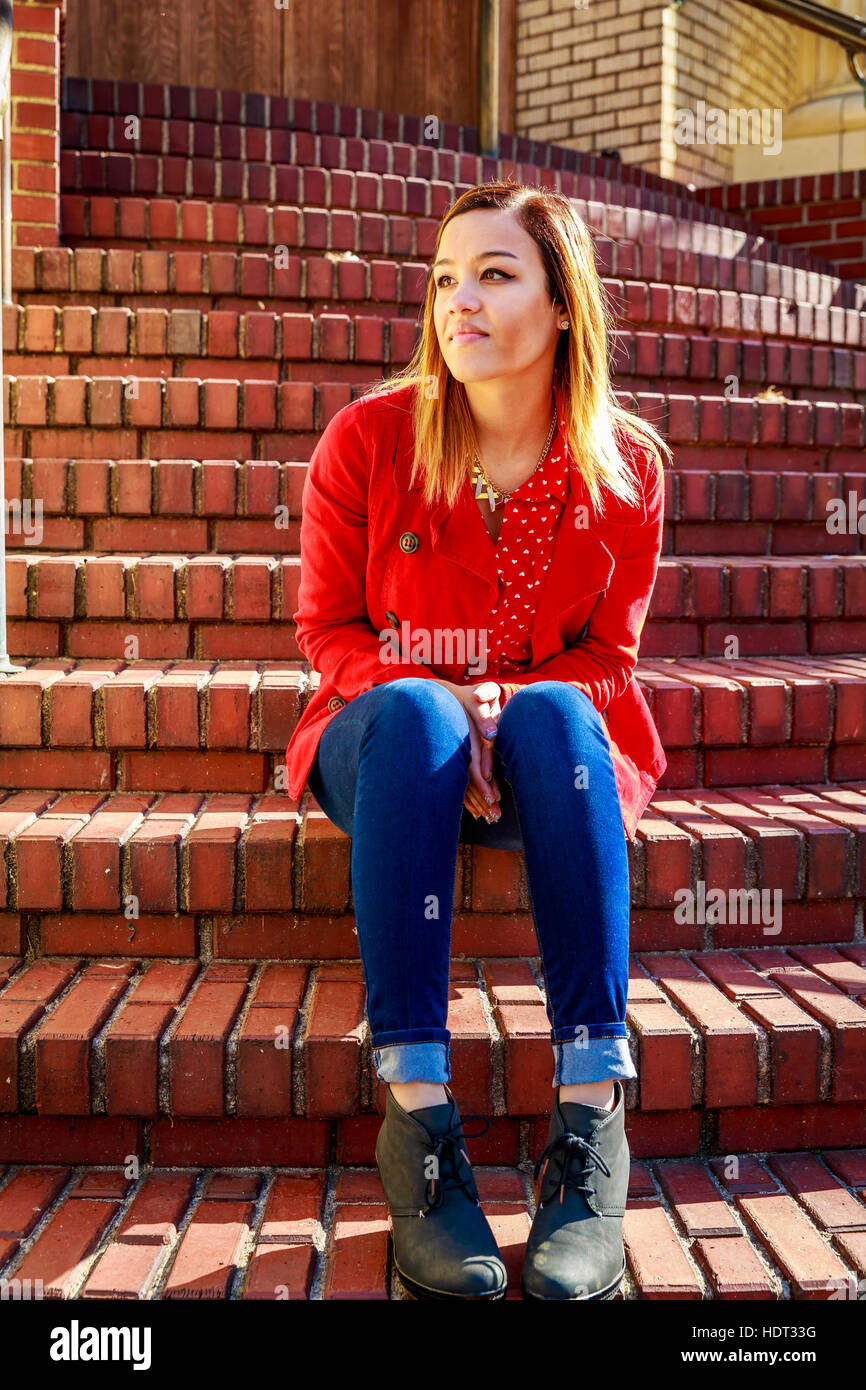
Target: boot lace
[(567, 1148), (448, 1150)]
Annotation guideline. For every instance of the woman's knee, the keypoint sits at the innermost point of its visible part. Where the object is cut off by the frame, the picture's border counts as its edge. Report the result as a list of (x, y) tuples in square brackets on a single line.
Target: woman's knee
[(416, 703), (541, 699)]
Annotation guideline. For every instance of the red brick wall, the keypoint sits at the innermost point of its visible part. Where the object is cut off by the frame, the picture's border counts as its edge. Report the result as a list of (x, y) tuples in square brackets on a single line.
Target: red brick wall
[(35, 121), (821, 213)]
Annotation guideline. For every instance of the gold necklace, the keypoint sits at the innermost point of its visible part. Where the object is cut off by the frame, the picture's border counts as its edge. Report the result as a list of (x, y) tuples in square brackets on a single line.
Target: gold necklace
[(480, 478)]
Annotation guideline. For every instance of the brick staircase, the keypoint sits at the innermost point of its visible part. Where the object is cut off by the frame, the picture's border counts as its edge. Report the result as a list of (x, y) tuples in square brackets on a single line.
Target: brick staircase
[(179, 976)]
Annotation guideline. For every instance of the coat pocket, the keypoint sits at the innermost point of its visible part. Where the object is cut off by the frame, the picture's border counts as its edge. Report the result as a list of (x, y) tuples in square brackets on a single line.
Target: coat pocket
[(574, 622)]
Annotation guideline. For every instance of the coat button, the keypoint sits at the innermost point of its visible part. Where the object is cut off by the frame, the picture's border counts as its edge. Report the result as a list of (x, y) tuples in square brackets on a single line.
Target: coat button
[(336, 702), (408, 542), (392, 619)]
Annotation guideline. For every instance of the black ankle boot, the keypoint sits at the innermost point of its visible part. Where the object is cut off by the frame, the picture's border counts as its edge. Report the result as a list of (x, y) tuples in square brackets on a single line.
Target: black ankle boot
[(443, 1245), (575, 1248)]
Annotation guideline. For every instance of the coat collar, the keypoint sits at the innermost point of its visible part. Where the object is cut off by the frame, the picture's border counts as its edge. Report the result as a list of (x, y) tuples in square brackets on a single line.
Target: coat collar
[(582, 562)]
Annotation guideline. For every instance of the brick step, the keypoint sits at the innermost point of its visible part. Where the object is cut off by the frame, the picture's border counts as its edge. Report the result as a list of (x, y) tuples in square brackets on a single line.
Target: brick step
[(762, 1028), (297, 167), (179, 105), (240, 606), (134, 416), (153, 343), (199, 224), (194, 159), (215, 506), (720, 721), (195, 156), (285, 166), (297, 178), (182, 605), (199, 122), (213, 871), (677, 288), (218, 505), (827, 209), (404, 230), (770, 1227), (780, 706)]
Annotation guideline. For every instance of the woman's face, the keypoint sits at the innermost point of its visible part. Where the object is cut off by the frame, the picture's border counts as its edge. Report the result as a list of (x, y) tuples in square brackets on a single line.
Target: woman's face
[(503, 297)]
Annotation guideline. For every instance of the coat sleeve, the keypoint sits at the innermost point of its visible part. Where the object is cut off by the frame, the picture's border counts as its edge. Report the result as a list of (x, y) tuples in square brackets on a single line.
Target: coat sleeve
[(601, 664), (333, 626)]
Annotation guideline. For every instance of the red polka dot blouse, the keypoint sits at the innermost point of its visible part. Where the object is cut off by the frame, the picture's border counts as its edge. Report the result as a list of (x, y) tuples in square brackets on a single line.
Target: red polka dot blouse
[(523, 552)]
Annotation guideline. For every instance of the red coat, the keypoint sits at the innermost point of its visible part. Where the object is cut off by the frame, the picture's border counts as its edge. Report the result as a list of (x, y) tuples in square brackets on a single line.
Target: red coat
[(375, 557)]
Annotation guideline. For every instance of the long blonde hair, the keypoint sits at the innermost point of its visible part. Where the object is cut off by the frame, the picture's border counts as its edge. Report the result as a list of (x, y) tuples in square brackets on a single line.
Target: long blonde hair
[(444, 431)]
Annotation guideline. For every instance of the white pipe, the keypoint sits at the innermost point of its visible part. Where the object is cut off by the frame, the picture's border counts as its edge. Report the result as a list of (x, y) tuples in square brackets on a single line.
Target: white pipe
[(7, 667)]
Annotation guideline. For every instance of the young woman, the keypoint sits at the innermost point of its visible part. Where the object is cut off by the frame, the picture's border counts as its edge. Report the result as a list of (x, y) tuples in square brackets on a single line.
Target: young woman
[(479, 544)]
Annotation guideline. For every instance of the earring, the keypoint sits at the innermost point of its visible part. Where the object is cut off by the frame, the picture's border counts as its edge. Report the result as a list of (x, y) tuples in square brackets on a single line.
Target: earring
[(563, 323)]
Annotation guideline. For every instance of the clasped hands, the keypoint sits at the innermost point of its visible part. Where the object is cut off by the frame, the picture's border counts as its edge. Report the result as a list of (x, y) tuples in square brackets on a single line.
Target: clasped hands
[(482, 706)]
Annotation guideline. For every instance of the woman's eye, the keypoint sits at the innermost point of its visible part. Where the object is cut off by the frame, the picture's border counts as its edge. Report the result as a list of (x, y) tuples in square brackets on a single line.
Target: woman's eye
[(491, 270)]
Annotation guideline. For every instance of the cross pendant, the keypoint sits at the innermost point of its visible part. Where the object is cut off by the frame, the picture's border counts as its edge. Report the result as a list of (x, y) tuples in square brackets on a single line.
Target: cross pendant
[(479, 488), (489, 492)]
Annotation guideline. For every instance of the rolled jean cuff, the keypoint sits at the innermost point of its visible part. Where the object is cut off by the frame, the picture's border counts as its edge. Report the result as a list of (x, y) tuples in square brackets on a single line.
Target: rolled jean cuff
[(402, 1062), (581, 1061)]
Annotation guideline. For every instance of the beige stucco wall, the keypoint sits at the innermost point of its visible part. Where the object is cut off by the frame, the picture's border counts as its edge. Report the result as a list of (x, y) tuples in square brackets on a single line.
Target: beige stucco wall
[(616, 73), (825, 128), (590, 78)]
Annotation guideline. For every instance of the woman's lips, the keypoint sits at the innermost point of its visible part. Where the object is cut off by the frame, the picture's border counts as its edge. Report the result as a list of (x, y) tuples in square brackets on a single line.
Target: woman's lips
[(462, 339)]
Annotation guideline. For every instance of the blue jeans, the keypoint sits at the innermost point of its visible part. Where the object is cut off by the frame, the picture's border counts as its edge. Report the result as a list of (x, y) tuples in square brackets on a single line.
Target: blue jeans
[(391, 770)]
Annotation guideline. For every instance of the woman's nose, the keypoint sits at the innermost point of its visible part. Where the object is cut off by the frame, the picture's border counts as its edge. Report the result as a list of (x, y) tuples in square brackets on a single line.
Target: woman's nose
[(462, 309), (464, 300)]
